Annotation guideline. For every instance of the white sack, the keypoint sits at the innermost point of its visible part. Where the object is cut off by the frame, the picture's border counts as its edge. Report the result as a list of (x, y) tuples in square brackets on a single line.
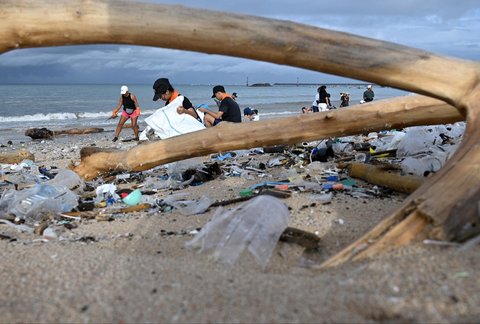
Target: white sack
[(166, 122)]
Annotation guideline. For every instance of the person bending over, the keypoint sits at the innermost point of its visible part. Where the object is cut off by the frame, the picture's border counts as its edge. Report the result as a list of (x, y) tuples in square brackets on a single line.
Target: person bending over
[(131, 110), (228, 109), (248, 114), (164, 90)]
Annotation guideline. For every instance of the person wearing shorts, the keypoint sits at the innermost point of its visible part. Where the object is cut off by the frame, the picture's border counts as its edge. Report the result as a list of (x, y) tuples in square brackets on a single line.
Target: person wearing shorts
[(131, 110), (228, 109)]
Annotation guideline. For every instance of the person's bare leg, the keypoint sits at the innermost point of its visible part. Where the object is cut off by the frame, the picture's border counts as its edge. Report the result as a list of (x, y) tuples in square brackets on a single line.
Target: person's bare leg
[(208, 120), (135, 127), (119, 127)]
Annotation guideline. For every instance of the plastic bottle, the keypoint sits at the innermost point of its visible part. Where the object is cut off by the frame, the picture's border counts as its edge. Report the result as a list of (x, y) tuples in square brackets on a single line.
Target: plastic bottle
[(29, 204)]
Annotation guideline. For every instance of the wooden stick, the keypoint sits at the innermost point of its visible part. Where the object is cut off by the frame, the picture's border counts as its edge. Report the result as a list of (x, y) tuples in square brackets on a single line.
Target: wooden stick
[(379, 176)]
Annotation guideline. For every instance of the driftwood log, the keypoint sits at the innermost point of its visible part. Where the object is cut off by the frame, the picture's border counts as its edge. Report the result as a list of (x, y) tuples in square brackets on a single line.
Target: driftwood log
[(78, 131), (379, 175), (16, 156), (429, 211), (45, 133)]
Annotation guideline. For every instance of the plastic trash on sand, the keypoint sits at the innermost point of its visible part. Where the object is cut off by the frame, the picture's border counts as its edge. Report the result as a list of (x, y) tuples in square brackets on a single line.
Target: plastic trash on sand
[(30, 203), (188, 207), (255, 225), (133, 198), (67, 178), (422, 164), (106, 191)]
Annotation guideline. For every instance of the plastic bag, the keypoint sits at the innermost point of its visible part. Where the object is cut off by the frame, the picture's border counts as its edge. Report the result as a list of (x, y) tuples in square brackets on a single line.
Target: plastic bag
[(67, 178), (30, 203), (255, 225), (188, 207), (106, 191)]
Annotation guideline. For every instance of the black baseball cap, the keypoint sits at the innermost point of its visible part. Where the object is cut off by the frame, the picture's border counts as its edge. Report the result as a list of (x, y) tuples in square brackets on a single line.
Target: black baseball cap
[(160, 86), (218, 88)]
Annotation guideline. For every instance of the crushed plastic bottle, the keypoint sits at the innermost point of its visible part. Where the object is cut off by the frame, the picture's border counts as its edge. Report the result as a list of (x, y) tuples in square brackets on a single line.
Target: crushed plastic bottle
[(255, 225)]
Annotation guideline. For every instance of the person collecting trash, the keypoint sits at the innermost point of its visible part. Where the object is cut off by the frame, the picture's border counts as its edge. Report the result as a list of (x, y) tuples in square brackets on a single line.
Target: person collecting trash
[(131, 109)]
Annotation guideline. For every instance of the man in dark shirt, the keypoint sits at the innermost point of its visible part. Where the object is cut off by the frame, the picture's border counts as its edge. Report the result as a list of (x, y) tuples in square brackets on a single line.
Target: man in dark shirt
[(227, 111), (368, 95)]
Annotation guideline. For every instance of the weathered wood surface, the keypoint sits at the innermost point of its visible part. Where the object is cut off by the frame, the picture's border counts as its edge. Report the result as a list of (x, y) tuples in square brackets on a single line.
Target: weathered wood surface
[(42, 23), (16, 156), (379, 176), (78, 131)]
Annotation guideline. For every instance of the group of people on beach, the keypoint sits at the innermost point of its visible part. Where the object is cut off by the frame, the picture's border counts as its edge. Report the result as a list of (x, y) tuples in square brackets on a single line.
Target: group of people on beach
[(322, 100), (228, 109)]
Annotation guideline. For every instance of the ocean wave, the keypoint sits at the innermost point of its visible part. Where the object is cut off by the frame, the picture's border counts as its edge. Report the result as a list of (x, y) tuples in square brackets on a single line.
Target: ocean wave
[(62, 116), (275, 113), (39, 117)]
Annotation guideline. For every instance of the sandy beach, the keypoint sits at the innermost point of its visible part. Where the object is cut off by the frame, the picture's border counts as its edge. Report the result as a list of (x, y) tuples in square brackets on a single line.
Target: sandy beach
[(136, 268)]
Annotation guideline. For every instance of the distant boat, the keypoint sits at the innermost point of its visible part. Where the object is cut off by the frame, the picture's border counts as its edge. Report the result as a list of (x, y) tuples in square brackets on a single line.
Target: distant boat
[(261, 85)]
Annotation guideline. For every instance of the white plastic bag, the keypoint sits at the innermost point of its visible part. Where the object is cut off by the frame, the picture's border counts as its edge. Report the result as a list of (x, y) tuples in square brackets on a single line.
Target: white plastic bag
[(255, 225), (166, 122)]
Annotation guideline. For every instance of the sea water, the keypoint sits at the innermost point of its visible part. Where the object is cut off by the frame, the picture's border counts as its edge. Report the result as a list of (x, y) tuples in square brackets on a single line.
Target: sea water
[(61, 105)]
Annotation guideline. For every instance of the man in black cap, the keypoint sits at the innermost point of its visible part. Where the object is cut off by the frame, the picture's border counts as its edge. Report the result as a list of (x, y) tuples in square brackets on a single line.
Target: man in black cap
[(227, 111), (164, 90)]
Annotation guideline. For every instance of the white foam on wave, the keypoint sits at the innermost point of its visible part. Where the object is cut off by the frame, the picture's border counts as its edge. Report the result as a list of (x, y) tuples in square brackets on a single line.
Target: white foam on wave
[(100, 114), (38, 117)]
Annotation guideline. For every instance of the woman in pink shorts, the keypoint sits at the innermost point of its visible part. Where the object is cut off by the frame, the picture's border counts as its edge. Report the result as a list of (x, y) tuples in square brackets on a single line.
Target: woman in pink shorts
[(130, 110)]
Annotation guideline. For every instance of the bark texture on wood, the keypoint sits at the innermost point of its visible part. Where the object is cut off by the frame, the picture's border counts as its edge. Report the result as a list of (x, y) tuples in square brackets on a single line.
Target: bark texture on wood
[(16, 156), (379, 176), (78, 131)]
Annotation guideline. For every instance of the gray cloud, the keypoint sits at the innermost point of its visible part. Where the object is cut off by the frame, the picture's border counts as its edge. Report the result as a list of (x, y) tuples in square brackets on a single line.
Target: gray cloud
[(448, 28)]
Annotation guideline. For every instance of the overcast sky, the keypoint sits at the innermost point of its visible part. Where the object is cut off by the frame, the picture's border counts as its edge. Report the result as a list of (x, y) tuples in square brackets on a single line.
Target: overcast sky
[(448, 27)]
